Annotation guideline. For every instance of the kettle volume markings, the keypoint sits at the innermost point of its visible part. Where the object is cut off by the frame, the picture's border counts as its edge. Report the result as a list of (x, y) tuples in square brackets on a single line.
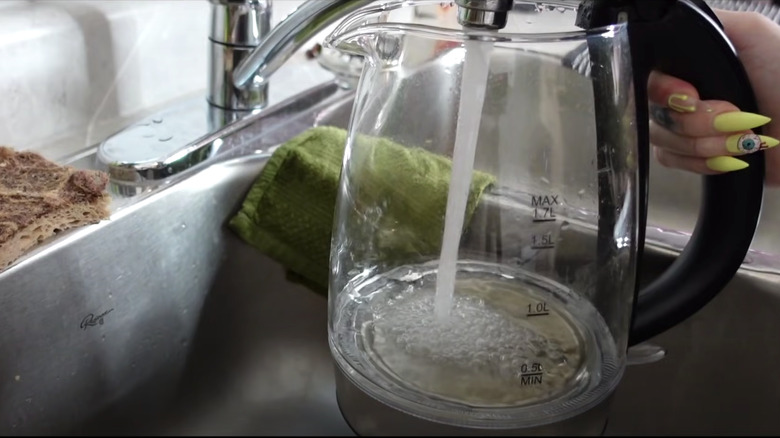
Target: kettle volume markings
[(544, 207)]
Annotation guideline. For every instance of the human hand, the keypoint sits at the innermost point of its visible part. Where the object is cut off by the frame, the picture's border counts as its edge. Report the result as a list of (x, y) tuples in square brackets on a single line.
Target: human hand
[(707, 137)]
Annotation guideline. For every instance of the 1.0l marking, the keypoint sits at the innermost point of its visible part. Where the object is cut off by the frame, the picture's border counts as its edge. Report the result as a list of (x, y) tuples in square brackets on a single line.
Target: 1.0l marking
[(538, 309)]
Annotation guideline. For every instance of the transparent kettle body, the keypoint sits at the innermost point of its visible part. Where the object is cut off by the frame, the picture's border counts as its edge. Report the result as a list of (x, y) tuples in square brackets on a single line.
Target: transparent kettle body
[(484, 246)]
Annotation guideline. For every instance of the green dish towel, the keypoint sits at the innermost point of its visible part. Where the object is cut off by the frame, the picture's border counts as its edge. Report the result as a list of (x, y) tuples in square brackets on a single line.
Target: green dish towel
[(288, 212)]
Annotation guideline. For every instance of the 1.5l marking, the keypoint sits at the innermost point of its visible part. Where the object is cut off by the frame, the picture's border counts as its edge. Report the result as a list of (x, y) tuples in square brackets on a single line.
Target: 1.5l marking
[(543, 241)]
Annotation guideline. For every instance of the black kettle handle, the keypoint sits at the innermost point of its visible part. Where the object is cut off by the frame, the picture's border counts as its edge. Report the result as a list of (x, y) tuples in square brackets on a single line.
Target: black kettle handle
[(683, 38)]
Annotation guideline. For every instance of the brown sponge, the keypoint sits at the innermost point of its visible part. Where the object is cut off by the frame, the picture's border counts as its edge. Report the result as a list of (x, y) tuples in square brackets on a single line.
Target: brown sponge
[(39, 198)]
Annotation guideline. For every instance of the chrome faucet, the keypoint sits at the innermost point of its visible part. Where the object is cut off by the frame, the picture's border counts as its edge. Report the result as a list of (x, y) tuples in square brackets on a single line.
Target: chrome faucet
[(244, 53), (182, 136), (289, 35), (237, 27), (315, 15)]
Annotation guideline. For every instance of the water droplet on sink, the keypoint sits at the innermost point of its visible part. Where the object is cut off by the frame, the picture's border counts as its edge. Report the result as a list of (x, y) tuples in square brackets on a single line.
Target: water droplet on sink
[(103, 337), (183, 226), (564, 225), (157, 120), (28, 399), (110, 296), (165, 138)]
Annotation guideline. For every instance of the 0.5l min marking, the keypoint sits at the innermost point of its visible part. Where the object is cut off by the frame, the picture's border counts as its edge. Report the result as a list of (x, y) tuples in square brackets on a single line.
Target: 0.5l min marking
[(531, 375)]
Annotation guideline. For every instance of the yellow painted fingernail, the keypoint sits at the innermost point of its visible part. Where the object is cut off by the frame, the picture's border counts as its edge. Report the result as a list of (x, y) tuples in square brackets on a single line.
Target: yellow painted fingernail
[(739, 121), (681, 103), (747, 143), (726, 164)]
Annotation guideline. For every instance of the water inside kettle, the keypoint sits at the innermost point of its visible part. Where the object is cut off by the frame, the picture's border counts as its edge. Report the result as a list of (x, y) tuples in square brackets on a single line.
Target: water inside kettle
[(510, 340)]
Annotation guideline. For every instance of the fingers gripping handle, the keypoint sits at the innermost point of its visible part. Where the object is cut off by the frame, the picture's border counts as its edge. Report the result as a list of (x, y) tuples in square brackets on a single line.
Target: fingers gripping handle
[(688, 43)]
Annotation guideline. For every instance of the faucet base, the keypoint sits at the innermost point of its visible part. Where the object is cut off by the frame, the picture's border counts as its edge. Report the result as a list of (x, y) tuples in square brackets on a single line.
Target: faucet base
[(177, 138)]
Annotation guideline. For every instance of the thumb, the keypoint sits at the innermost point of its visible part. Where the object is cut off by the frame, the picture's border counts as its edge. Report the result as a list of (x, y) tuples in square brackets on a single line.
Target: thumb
[(748, 31)]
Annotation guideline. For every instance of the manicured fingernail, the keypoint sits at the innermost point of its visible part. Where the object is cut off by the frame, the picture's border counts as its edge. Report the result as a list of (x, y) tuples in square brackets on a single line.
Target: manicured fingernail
[(747, 143), (726, 164), (682, 103), (739, 121)]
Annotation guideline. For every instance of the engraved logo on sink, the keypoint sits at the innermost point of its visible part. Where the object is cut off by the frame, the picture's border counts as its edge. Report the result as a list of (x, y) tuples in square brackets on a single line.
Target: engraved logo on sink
[(92, 320)]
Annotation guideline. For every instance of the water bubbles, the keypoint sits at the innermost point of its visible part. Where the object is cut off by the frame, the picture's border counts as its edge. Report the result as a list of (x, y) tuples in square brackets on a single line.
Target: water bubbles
[(475, 334), (157, 120), (488, 352)]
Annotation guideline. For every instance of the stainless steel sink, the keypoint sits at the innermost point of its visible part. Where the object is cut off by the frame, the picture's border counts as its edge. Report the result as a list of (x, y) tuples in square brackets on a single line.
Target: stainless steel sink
[(161, 321)]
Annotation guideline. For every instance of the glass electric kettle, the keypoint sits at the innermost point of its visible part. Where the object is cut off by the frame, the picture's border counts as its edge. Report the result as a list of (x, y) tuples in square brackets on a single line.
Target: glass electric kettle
[(492, 206)]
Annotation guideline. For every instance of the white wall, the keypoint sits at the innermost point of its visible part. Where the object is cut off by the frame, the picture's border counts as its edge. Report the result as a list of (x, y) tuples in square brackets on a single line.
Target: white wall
[(73, 72)]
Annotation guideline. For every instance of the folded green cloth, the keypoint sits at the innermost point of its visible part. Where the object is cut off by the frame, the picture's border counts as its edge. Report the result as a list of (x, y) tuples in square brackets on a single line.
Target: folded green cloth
[(288, 212)]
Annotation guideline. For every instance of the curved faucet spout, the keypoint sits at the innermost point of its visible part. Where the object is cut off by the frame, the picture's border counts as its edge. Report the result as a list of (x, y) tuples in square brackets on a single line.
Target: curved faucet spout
[(289, 35)]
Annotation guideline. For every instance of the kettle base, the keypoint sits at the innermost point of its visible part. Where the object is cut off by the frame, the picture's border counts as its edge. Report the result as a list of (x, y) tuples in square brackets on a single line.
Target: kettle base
[(370, 417)]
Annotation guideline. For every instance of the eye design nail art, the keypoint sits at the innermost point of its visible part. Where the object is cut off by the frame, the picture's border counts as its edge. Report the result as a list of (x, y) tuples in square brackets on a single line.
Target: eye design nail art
[(750, 143), (662, 116)]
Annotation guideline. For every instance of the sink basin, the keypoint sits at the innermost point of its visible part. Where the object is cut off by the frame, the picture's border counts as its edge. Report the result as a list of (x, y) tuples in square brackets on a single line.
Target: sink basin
[(161, 321)]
